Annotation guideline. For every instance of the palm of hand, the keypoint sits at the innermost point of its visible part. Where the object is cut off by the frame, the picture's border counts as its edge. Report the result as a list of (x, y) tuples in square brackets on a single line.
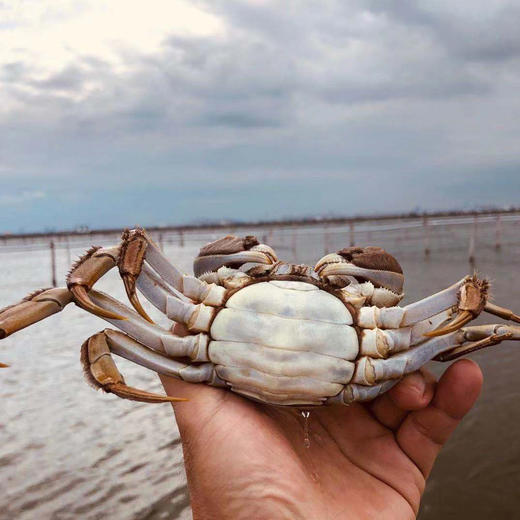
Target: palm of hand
[(245, 460)]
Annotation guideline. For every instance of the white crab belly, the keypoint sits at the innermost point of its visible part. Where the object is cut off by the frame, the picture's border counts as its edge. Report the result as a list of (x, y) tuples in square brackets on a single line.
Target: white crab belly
[(284, 342)]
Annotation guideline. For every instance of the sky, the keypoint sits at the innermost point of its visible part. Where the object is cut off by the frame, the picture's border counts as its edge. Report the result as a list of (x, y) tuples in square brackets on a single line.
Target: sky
[(118, 113)]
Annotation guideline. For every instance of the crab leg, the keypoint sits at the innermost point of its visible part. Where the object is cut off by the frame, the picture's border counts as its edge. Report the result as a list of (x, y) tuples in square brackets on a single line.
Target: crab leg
[(154, 287), (96, 262), (471, 301), (33, 308), (478, 337), (396, 317), (371, 371), (130, 256), (469, 296), (194, 346), (196, 317), (381, 343), (101, 371), (156, 290), (501, 312), (442, 348), (188, 285)]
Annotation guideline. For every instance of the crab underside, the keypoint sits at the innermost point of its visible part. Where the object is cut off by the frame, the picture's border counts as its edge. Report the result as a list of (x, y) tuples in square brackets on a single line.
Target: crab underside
[(278, 333)]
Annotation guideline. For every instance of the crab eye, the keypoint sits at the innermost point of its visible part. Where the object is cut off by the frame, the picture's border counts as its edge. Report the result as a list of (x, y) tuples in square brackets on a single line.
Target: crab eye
[(371, 264), (232, 251)]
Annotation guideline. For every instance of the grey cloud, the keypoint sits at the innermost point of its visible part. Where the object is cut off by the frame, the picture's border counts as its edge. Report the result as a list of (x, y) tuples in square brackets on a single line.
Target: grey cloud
[(450, 88), (71, 78), (240, 120), (487, 35), (12, 72)]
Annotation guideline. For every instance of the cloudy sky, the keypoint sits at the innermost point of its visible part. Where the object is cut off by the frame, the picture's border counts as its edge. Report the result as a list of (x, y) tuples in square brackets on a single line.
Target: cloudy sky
[(117, 112)]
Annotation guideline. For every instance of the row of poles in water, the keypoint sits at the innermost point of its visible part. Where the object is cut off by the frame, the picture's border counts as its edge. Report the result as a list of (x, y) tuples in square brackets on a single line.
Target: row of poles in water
[(267, 238)]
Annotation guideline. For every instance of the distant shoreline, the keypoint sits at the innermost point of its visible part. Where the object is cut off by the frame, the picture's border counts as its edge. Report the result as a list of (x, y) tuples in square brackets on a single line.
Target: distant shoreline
[(307, 221)]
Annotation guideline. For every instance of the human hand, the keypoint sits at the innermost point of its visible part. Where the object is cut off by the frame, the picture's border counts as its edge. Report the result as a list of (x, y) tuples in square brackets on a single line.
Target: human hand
[(245, 460)]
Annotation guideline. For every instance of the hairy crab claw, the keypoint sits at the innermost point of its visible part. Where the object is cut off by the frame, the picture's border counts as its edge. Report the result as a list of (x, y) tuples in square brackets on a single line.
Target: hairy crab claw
[(233, 252), (381, 273)]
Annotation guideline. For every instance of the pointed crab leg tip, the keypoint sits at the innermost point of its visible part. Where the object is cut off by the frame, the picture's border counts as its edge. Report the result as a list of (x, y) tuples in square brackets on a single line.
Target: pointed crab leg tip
[(139, 308), (459, 321), (3, 365), (129, 283), (134, 394), (83, 300)]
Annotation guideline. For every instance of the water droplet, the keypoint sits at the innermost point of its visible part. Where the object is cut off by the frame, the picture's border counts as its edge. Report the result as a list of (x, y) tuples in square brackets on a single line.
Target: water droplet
[(306, 437)]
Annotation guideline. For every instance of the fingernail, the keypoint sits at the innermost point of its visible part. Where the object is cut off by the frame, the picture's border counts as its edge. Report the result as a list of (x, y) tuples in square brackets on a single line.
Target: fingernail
[(418, 384)]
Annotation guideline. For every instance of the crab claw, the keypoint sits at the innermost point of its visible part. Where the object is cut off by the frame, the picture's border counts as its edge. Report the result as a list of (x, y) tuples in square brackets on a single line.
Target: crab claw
[(3, 365), (371, 264), (328, 260), (232, 251)]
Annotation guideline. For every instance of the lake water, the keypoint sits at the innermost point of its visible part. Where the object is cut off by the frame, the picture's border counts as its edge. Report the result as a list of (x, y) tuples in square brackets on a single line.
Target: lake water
[(68, 452)]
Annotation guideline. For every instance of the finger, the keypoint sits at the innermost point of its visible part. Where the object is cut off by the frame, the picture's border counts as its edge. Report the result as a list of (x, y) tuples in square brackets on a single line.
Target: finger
[(414, 392), (202, 400), (173, 385), (423, 432)]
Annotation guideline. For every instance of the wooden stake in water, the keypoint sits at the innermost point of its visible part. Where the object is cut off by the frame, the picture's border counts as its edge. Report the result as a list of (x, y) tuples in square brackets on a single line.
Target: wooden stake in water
[(53, 263), (161, 244), (426, 231), (472, 241), (351, 233), (326, 241), (181, 238), (498, 232), (68, 251)]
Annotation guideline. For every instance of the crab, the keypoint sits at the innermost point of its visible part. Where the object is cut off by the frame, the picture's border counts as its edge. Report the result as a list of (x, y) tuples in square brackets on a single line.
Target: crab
[(275, 332)]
